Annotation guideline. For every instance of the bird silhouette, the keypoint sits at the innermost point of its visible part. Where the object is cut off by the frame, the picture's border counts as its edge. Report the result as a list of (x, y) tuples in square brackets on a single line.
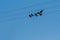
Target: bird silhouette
[(36, 14), (30, 15), (40, 13)]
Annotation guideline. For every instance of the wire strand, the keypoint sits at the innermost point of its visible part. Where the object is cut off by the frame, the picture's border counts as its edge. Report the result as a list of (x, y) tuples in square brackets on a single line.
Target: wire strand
[(32, 6), (43, 8), (34, 10)]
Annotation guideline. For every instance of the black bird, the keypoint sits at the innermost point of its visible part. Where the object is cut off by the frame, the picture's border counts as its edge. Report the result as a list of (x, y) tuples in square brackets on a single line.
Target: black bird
[(30, 15), (36, 14), (40, 13)]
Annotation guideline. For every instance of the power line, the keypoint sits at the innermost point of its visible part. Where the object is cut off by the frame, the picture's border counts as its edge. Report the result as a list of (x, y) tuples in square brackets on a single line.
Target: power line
[(34, 10), (48, 8), (19, 18), (32, 6), (43, 8)]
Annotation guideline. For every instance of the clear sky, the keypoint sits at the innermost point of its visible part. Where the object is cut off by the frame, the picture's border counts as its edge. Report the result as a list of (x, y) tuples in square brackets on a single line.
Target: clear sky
[(15, 23)]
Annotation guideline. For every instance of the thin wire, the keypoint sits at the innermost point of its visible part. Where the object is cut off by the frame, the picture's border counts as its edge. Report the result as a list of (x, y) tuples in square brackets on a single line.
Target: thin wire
[(34, 10), (48, 8), (39, 9), (54, 11), (32, 6), (45, 8), (19, 18)]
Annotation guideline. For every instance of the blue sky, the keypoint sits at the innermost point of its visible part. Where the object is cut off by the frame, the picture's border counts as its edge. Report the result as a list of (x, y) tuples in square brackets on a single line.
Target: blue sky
[(16, 25)]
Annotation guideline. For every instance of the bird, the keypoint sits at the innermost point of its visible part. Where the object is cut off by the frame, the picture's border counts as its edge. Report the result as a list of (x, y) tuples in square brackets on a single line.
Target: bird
[(36, 14), (40, 13), (30, 15)]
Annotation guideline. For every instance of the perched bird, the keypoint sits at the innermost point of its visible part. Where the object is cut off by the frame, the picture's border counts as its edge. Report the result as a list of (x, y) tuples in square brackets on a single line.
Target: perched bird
[(30, 15), (36, 14), (40, 13)]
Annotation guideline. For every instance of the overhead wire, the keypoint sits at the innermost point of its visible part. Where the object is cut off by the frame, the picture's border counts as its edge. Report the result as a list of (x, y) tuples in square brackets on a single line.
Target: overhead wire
[(19, 18), (45, 8), (48, 8), (31, 6), (33, 10)]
